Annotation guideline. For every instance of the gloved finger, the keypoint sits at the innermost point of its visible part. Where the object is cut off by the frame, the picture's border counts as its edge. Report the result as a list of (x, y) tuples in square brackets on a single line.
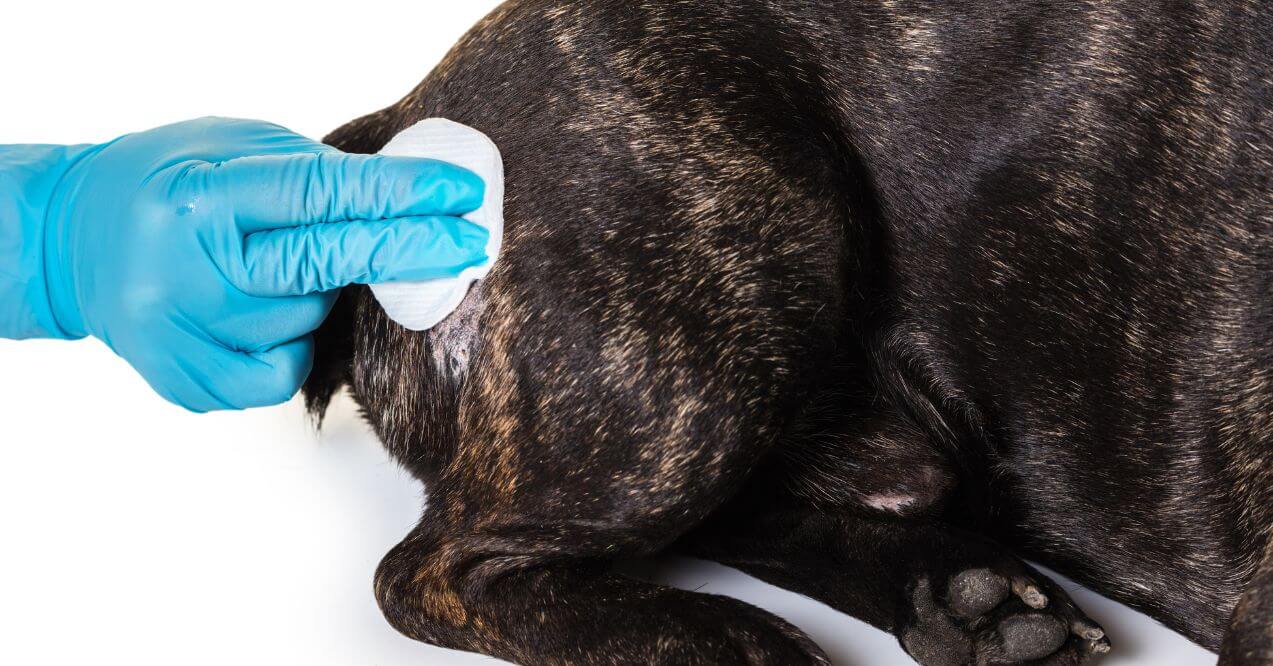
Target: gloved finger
[(275, 191), (319, 258), (222, 379), (213, 139), (253, 324)]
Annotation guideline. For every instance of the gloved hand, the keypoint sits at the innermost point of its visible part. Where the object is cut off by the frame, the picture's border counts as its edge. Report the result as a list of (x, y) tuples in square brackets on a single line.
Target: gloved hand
[(205, 253)]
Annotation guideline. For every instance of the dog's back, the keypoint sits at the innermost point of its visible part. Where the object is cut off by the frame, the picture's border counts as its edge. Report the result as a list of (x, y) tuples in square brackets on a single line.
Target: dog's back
[(1042, 231)]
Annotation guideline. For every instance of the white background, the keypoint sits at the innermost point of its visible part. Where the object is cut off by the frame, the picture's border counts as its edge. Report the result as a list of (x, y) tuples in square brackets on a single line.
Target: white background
[(133, 533)]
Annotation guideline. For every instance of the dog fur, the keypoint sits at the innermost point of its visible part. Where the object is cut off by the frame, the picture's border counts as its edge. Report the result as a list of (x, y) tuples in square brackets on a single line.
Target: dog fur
[(866, 298)]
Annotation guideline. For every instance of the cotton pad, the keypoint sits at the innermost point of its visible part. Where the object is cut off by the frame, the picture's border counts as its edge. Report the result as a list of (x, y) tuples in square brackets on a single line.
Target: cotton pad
[(420, 306)]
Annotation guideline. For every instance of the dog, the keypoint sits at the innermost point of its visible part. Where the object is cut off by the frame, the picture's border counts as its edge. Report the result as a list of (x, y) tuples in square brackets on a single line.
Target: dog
[(867, 298)]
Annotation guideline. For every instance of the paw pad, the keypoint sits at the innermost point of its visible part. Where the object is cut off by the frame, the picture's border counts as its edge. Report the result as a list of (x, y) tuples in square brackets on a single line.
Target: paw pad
[(1031, 636), (976, 592)]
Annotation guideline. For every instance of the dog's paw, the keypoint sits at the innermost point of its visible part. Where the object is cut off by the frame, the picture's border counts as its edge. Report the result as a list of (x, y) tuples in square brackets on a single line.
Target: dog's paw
[(1005, 614)]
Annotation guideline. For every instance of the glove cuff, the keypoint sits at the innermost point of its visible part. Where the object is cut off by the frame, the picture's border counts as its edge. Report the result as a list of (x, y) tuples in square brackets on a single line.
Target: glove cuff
[(29, 174)]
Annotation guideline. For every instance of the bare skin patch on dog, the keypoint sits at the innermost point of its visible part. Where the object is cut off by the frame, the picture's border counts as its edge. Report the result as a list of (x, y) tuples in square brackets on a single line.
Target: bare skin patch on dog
[(453, 343), (896, 503)]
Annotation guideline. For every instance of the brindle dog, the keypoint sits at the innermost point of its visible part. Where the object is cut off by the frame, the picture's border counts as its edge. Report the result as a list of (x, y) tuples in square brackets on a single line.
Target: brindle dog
[(863, 297)]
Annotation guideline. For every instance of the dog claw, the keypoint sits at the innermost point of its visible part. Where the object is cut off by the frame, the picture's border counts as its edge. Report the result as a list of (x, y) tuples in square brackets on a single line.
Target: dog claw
[(1030, 594), (1087, 631)]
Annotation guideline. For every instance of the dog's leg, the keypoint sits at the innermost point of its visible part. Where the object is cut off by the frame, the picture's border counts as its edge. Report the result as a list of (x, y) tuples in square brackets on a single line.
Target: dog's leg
[(950, 597), (849, 513), (489, 594), (1250, 638), (511, 557)]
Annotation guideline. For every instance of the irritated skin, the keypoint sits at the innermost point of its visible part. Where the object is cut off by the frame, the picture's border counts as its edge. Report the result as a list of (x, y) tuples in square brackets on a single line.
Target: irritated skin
[(865, 298)]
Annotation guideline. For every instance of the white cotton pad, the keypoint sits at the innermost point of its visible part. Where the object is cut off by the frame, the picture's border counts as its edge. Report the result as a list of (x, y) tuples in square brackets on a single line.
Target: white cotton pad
[(420, 306)]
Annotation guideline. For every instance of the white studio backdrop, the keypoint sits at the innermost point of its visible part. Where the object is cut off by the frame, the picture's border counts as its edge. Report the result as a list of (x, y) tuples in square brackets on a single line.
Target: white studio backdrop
[(134, 533)]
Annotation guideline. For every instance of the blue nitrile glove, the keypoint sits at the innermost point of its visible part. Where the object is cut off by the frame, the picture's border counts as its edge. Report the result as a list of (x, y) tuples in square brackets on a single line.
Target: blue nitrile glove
[(205, 253)]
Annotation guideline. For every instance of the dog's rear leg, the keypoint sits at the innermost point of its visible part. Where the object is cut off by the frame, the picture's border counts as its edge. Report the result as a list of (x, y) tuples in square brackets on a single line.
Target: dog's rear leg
[(847, 514), (1250, 638), (576, 450), (950, 597), (512, 558), (462, 592)]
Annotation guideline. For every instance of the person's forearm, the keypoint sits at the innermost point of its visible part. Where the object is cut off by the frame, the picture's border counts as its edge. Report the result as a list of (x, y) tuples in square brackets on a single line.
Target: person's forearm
[(28, 176)]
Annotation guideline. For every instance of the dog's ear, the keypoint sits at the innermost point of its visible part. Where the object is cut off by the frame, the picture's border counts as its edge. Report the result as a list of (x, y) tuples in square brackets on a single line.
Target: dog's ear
[(334, 340)]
